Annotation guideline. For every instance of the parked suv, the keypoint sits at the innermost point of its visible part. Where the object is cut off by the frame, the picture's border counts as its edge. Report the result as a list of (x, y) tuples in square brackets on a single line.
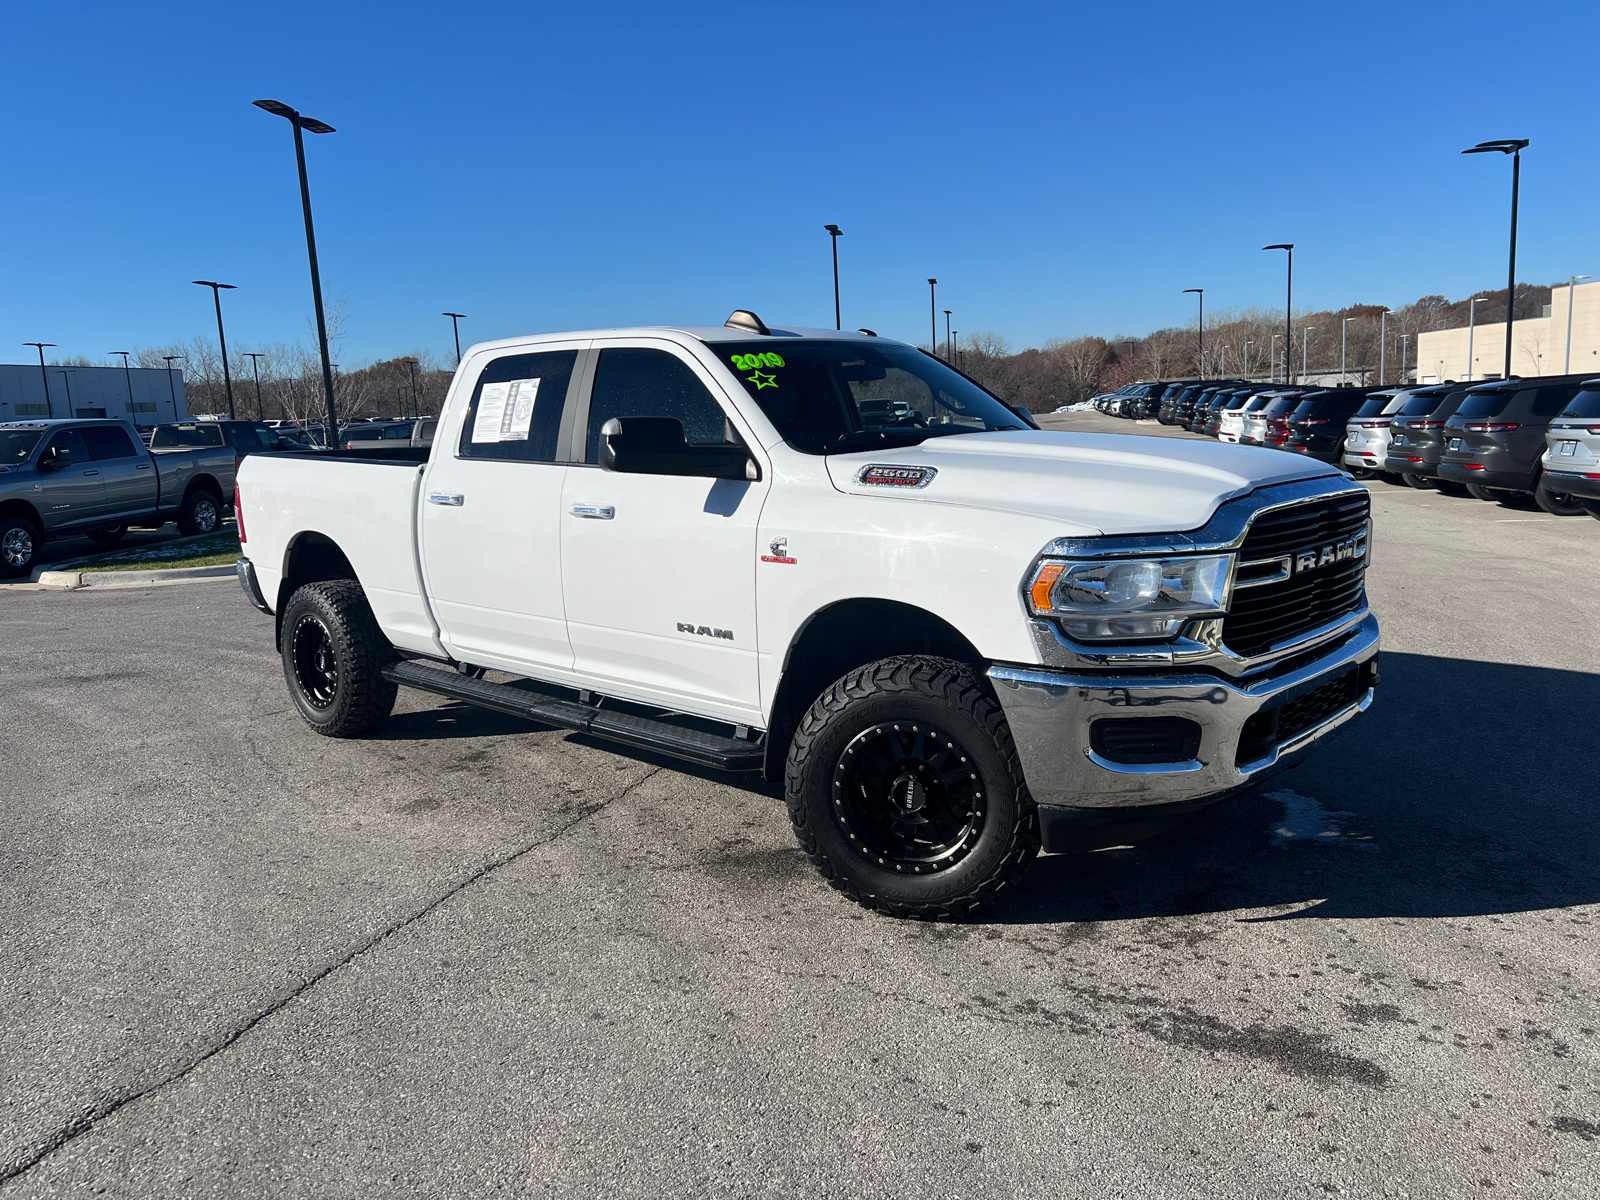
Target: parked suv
[(1268, 424), (1572, 459), (1235, 416), (1210, 423), (1366, 436), (1417, 436), (1495, 439), (1317, 425)]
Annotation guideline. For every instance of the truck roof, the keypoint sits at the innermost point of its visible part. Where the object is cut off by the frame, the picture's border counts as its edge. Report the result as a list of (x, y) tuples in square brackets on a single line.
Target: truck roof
[(702, 333), (52, 422)]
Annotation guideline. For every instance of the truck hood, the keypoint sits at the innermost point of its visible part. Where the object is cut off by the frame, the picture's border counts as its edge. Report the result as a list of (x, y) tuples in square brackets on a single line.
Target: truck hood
[(1105, 483)]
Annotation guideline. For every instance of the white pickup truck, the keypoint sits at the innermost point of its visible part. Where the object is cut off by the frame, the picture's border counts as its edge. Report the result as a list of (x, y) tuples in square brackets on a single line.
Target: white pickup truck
[(829, 557)]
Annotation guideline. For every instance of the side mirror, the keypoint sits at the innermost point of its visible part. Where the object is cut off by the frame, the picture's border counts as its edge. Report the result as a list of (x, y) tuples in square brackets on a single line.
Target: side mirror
[(656, 446), (56, 458), (1027, 417)]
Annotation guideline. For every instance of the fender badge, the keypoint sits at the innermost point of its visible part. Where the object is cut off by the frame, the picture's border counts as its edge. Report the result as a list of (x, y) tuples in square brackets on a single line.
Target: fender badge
[(780, 552), (890, 476)]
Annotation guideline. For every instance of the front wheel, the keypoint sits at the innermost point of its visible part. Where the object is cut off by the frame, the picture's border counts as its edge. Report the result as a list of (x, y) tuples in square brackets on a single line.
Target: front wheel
[(1557, 504), (904, 789), (1478, 492), (333, 659), (19, 544)]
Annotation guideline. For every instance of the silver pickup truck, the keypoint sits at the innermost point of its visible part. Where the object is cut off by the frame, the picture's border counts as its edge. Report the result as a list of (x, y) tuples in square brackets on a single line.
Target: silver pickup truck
[(73, 478)]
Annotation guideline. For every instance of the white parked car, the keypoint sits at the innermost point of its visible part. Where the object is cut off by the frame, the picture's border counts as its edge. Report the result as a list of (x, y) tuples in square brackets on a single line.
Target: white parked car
[(1368, 433), (830, 558), (1231, 428)]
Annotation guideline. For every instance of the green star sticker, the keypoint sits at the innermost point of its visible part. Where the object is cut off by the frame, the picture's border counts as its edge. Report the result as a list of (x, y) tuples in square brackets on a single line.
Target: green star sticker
[(762, 381)]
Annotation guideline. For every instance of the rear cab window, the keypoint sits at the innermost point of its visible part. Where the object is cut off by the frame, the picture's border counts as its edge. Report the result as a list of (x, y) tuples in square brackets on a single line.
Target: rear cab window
[(515, 411)]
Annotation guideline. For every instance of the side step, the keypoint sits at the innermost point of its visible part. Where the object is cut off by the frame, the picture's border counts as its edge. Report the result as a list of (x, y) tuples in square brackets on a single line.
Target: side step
[(645, 733)]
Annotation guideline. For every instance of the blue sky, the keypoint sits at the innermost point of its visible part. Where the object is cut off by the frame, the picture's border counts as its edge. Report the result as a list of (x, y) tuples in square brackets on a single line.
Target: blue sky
[(1062, 169)]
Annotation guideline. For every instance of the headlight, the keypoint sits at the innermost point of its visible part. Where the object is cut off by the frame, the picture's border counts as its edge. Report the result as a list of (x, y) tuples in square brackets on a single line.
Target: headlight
[(1120, 599)]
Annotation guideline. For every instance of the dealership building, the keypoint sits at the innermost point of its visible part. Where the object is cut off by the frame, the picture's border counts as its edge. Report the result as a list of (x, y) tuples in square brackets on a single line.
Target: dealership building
[(1538, 344), (26, 394)]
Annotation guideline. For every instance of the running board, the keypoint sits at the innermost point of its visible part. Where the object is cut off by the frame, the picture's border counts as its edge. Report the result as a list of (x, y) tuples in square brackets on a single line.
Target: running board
[(644, 733)]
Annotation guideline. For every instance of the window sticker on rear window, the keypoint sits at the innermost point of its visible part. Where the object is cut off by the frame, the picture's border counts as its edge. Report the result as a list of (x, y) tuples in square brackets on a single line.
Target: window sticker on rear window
[(505, 411)]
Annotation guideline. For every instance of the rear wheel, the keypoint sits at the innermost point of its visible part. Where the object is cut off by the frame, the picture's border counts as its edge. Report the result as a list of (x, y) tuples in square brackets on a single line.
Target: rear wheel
[(1360, 472), (1557, 503), (19, 544), (1478, 492), (1420, 482), (200, 512), (333, 659), (108, 537), (904, 789)]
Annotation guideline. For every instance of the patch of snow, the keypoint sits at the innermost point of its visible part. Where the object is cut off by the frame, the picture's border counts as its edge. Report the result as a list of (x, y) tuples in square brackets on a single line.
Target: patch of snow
[(1306, 821)]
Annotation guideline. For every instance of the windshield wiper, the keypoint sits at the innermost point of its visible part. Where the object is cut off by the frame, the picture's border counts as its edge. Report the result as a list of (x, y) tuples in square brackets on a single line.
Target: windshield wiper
[(877, 439)]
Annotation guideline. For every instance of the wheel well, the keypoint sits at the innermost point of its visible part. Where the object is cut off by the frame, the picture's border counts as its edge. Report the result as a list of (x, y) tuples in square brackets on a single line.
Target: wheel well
[(311, 558), (202, 483), (22, 508), (842, 637)]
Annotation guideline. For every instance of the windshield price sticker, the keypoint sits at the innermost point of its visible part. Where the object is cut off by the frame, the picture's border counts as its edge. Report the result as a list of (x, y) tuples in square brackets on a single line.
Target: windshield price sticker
[(505, 411), (886, 475)]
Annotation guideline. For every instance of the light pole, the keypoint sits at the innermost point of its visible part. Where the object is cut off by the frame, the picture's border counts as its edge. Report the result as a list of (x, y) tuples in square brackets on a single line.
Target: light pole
[(1305, 341), (48, 408), (1472, 308), (455, 319), (949, 348), (301, 123), (1572, 291), (1383, 347), (1513, 147), (216, 295), (1288, 306), (172, 389), (255, 369), (1201, 294), (416, 408), (1272, 369), (933, 317), (1344, 341), (834, 234), (128, 375), (1405, 344), (68, 382), (1247, 344)]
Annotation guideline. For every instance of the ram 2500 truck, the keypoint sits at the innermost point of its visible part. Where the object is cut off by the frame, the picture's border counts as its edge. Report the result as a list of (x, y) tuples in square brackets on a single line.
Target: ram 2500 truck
[(833, 559), (65, 478)]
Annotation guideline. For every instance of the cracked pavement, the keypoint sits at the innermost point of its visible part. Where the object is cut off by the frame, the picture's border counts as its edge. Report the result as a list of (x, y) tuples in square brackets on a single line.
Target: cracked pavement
[(475, 957)]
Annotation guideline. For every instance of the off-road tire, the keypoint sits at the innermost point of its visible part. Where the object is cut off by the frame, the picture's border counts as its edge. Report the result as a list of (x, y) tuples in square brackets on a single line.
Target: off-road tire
[(19, 546), (919, 692), (358, 699), (108, 537), (1557, 504), (200, 512)]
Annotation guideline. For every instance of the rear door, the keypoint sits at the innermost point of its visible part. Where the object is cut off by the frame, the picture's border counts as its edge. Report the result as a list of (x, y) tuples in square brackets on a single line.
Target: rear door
[(658, 571), (125, 471), (490, 513)]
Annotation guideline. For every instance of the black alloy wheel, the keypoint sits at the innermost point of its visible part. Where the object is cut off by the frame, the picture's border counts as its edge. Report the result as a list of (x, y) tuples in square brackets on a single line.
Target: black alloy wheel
[(334, 654), (1421, 482), (19, 542), (908, 797), (200, 513), (1557, 503), (316, 664)]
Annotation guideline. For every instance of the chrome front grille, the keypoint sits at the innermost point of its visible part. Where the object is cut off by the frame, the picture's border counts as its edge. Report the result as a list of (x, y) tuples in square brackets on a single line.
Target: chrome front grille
[(1271, 614)]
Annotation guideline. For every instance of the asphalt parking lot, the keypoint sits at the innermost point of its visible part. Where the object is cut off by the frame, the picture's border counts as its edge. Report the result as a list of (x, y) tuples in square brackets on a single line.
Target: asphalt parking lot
[(472, 957)]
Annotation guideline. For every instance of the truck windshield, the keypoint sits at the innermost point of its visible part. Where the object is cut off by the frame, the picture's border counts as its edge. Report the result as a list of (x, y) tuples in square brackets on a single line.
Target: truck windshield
[(17, 444), (841, 397), (1585, 404)]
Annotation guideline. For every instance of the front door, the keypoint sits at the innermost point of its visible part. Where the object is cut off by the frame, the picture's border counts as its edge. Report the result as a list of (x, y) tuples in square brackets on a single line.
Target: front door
[(75, 494), (490, 527), (658, 571)]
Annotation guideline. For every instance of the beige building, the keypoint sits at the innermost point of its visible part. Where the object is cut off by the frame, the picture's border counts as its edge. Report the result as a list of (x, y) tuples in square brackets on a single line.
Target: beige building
[(1539, 344)]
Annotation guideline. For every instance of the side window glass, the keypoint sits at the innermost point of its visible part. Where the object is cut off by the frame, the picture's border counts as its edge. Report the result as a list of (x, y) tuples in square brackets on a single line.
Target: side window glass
[(638, 382), (108, 441), (515, 412), (72, 442)]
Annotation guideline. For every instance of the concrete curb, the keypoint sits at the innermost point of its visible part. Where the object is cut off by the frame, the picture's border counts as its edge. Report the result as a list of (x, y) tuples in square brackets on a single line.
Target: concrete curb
[(72, 580)]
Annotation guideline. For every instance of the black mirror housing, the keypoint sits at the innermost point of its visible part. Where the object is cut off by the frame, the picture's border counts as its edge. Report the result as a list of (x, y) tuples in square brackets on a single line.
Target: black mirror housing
[(56, 458), (656, 446)]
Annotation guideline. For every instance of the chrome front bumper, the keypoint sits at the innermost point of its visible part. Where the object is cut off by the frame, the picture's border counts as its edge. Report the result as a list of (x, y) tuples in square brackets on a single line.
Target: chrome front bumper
[(1050, 713)]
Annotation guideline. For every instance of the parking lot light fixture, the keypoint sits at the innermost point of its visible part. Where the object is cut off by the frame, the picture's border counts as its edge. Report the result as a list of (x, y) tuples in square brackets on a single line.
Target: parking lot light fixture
[(255, 368), (1201, 293), (1405, 344), (834, 234), (1513, 147), (1572, 291), (216, 295), (1272, 367), (1247, 344), (172, 389), (48, 408), (1288, 306), (455, 319), (68, 382), (949, 348), (301, 123), (416, 408), (1344, 342), (128, 376)]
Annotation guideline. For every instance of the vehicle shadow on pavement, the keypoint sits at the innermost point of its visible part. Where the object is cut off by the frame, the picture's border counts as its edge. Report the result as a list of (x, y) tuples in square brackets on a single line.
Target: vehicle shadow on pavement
[(1466, 790)]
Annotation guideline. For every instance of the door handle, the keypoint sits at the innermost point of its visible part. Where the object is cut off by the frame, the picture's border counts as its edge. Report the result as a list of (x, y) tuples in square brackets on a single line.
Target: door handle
[(91, 472), (142, 467), (594, 512), (453, 501)]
